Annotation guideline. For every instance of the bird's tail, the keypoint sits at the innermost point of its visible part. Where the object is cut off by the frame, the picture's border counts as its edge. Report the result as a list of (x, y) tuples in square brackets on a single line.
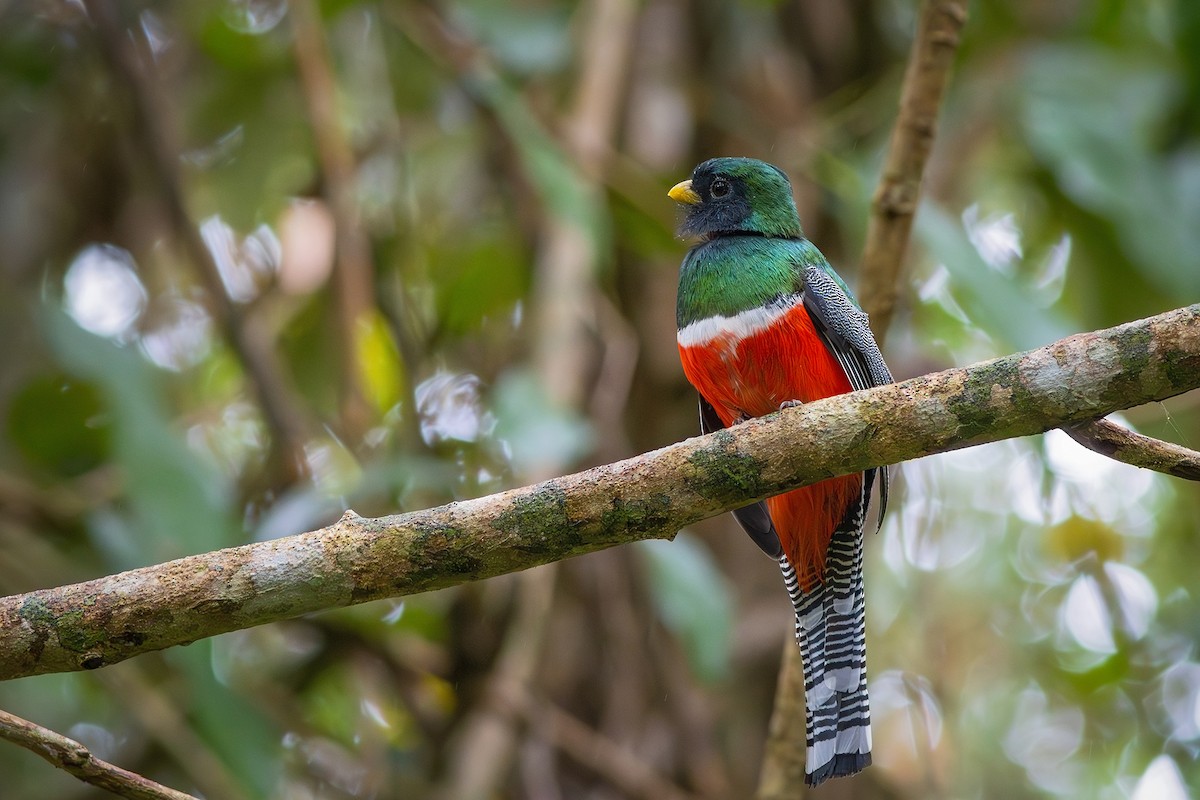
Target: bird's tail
[(831, 631)]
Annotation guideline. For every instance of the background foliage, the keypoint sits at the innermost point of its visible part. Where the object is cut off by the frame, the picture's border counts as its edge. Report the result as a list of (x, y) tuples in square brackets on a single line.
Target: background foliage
[(498, 308)]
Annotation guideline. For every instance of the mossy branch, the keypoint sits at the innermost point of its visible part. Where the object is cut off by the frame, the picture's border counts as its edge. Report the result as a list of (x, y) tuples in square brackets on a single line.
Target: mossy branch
[(100, 622)]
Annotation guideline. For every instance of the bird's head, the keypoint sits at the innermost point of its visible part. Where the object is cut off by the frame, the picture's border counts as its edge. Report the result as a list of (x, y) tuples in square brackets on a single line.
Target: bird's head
[(737, 195)]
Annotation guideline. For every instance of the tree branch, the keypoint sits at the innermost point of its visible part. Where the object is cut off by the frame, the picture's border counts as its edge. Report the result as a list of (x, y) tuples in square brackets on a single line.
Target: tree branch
[(160, 150), (71, 756), (565, 300), (1110, 439), (899, 190), (782, 776), (354, 290), (99, 622)]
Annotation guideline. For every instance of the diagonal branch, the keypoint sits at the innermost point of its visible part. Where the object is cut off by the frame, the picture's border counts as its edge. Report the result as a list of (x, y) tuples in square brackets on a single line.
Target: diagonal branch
[(899, 190), (1110, 439), (99, 622), (157, 142), (73, 757)]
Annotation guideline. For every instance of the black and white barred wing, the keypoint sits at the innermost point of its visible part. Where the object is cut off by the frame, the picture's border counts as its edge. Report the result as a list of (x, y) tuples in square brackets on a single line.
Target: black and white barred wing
[(846, 331)]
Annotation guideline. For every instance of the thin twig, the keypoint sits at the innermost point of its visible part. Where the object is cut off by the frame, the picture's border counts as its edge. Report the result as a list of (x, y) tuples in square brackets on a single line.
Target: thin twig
[(592, 749), (160, 148), (1109, 439), (72, 757), (22, 553), (899, 190)]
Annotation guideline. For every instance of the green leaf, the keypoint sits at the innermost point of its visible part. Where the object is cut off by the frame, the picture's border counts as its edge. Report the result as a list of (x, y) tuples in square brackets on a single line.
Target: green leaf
[(229, 722), (1093, 116), (479, 274), (991, 300), (59, 424), (379, 362), (541, 437), (178, 501), (693, 600)]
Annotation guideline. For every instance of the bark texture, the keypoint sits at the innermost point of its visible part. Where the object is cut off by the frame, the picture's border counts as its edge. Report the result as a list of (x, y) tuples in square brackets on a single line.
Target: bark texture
[(100, 622)]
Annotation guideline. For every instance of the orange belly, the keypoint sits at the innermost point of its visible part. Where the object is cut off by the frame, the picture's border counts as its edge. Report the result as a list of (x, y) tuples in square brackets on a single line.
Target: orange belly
[(752, 377)]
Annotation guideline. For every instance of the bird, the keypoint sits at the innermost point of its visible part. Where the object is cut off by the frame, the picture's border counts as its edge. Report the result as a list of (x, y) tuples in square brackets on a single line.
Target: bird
[(764, 323)]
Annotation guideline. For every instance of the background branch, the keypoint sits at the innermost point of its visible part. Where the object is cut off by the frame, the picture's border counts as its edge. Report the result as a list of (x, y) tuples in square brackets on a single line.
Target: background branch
[(899, 190), (562, 340), (782, 774), (591, 748), (160, 147), (353, 269), (99, 622), (1110, 439)]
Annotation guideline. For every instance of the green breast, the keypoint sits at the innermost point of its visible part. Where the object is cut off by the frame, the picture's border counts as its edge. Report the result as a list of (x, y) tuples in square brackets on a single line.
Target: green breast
[(733, 273)]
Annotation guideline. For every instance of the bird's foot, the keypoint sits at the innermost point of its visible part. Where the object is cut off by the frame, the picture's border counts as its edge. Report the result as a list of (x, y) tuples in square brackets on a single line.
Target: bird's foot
[(790, 404)]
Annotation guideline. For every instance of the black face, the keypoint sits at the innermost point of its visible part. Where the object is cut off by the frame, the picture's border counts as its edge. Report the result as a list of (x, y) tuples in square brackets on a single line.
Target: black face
[(738, 196), (724, 206)]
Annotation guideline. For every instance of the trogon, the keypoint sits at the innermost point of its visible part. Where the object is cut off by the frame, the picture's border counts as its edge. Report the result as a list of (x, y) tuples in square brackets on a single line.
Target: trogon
[(765, 323)]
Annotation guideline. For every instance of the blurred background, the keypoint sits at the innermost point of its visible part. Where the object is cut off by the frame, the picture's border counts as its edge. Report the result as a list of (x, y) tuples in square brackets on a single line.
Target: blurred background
[(265, 260)]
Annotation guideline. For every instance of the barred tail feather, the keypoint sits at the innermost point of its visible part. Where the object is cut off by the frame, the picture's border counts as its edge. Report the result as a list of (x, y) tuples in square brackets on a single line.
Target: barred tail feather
[(830, 629), (846, 653)]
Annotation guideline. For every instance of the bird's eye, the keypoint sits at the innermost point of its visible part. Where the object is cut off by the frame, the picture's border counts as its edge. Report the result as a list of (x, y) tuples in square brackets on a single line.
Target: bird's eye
[(719, 188)]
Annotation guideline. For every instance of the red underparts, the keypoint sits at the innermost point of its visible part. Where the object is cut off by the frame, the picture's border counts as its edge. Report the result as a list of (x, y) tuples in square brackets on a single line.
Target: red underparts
[(751, 377)]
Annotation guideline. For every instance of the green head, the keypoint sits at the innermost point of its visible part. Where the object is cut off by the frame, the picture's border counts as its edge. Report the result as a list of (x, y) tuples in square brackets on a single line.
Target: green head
[(737, 195)]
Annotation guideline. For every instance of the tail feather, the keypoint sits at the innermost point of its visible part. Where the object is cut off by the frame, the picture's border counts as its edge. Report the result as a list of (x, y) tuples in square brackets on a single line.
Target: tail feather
[(831, 632), (810, 634), (846, 651)]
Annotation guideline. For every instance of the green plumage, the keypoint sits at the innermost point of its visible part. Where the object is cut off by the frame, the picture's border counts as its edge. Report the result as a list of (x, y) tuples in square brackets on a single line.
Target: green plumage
[(733, 273)]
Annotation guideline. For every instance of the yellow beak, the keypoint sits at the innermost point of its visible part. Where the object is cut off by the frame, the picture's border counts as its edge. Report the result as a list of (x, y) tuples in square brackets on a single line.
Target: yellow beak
[(684, 193)]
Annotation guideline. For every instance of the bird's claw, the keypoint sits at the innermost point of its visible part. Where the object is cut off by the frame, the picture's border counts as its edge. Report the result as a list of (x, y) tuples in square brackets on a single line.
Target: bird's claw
[(790, 404)]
